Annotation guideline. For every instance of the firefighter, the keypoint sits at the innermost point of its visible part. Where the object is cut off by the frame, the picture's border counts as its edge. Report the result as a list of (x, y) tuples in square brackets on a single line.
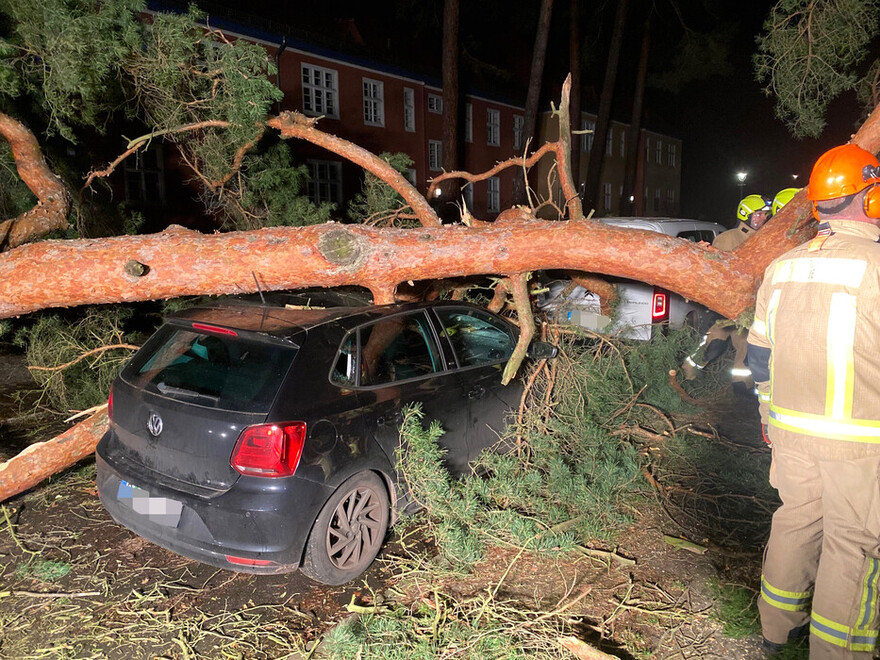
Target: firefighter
[(752, 212), (814, 351), (782, 198)]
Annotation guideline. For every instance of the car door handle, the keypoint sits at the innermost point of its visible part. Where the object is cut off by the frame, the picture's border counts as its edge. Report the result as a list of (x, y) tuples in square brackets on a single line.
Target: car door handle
[(477, 392), (390, 420)]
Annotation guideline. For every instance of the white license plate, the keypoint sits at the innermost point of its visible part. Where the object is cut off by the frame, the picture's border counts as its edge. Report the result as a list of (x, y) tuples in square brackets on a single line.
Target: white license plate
[(160, 510)]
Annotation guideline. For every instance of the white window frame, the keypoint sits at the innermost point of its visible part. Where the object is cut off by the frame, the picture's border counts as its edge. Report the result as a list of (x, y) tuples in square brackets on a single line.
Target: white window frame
[(493, 194), (658, 152), (324, 189), (587, 138), (468, 122), (606, 187), (435, 155), (374, 102), (435, 104), (409, 109), (671, 155), (138, 188), (493, 127), (519, 124), (320, 98), (623, 144)]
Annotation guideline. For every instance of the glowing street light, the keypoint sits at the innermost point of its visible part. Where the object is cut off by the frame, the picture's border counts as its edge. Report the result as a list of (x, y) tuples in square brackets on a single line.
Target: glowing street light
[(741, 177)]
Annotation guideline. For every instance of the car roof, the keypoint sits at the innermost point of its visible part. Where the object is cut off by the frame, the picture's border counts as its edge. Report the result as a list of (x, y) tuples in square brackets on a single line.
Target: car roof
[(661, 224), (287, 321)]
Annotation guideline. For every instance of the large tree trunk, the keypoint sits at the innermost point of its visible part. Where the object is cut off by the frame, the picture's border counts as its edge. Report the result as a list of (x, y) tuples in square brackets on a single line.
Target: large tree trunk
[(451, 105), (50, 212), (574, 69), (597, 153), (633, 146), (536, 77)]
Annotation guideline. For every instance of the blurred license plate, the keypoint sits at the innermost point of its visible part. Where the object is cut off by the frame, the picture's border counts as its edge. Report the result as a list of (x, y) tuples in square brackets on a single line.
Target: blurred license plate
[(160, 510)]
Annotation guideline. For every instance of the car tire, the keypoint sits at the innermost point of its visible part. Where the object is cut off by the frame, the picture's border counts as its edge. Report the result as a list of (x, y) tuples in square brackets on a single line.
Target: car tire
[(349, 531)]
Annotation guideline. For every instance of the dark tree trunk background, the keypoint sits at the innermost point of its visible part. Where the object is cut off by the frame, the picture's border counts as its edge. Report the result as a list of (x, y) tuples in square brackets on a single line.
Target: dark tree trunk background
[(632, 198)]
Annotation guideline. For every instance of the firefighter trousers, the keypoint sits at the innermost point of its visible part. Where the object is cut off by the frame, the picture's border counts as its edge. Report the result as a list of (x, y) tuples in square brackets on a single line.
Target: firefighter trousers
[(822, 562)]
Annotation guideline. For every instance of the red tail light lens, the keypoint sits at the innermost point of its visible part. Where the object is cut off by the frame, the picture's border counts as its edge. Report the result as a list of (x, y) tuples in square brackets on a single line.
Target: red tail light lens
[(269, 450), (217, 330), (660, 306), (110, 404), (241, 561)]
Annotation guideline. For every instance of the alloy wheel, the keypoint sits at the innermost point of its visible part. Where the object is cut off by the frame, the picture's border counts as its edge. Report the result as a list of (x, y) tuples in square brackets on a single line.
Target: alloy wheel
[(356, 529)]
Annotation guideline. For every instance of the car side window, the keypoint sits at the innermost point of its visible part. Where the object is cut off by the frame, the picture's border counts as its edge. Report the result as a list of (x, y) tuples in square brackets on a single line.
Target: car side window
[(697, 235), (345, 369), (476, 337), (393, 349)]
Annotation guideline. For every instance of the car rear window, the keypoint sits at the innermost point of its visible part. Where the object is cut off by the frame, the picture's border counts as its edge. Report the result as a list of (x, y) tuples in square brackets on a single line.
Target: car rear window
[(213, 370)]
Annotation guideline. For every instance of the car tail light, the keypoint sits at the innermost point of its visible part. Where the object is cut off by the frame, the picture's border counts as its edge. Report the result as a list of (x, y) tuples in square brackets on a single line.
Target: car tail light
[(110, 404), (660, 306), (269, 450), (216, 329), (242, 561)]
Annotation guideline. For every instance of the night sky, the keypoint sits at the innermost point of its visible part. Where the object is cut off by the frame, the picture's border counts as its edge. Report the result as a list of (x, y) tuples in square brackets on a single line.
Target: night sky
[(726, 122)]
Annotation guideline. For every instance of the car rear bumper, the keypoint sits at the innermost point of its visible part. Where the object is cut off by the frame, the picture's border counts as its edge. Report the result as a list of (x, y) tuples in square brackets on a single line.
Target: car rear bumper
[(272, 529)]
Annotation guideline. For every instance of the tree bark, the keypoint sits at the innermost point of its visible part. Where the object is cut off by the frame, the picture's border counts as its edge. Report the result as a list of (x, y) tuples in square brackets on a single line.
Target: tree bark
[(633, 148), (43, 459), (50, 212), (536, 77), (597, 153), (574, 70), (451, 142)]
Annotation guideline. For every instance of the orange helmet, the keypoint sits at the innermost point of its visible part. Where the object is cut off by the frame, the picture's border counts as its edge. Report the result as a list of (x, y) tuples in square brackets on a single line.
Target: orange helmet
[(842, 171)]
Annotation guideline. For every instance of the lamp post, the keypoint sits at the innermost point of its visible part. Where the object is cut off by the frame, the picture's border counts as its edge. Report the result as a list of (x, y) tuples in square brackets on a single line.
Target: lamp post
[(741, 178)]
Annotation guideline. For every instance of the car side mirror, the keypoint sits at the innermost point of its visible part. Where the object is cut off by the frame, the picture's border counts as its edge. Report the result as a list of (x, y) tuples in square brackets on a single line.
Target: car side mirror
[(542, 350)]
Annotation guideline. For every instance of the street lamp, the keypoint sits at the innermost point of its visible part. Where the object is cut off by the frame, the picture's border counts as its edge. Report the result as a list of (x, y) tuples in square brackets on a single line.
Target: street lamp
[(741, 177)]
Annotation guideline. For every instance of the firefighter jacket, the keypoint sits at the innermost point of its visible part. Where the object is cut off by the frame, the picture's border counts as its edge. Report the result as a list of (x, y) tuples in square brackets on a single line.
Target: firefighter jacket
[(814, 346), (733, 238)]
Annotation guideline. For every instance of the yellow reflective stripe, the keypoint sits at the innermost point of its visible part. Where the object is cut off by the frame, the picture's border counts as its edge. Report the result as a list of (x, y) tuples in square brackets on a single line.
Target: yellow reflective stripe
[(839, 347), (759, 327), (842, 272), (771, 313), (839, 634), (821, 634), (762, 396), (869, 593), (782, 592), (854, 430)]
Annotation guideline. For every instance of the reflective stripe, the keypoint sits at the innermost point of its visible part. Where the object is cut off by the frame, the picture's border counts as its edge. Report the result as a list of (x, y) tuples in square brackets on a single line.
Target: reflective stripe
[(763, 396), (759, 327), (869, 593), (738, 371), (839, 347), (853, 430), (842, 272), (690, 361), (792, 601), (858, 639), (771, 313)]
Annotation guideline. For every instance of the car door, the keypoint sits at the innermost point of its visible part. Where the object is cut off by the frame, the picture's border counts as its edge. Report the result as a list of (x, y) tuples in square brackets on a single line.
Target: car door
[(482, 343), (400, 363)]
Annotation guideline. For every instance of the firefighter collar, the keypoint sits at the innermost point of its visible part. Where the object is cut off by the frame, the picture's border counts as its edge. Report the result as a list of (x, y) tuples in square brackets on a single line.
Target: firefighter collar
[(855, 228)]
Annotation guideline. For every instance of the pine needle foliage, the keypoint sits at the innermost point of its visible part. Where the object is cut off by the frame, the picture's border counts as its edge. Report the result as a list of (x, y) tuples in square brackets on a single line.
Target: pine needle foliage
[(54, 341), (379, 203), (563, 475)]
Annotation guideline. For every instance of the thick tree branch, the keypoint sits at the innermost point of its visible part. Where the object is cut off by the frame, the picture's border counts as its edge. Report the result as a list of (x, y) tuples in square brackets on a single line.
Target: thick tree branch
[(519, 286), (50, 212)]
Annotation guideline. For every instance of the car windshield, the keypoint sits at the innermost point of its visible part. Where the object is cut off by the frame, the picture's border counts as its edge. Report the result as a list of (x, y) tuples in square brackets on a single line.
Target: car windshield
[(217, 371)]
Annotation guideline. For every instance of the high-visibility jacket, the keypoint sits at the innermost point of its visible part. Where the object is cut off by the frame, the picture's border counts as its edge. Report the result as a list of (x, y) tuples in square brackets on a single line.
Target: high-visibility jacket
[(733, 238), (814, 346)]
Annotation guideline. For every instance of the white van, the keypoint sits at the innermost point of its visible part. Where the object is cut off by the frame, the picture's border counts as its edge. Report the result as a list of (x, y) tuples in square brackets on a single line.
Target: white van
[(641, 309)]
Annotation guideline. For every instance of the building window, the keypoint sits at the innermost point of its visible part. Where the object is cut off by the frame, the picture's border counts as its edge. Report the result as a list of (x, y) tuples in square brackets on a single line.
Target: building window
[(374, 106), (468, 195), (435, 104), (587, 138), (325, 181), (435, 154), (519, 123), (671, 155), (647, 155), (493, 127), (609, 142), (657, 200), (670, 200), (658, 153), (493, 194), (409, 109), (623, 144), (145, 176), (468, 122), (320, 90), (411, 175), (607, 190)]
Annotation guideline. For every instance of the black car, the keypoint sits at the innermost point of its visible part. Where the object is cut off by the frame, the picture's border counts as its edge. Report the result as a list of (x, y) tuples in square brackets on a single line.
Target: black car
[(262, 439)]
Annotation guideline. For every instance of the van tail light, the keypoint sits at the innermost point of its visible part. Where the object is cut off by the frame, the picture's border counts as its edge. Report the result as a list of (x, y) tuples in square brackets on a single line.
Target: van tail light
[(243, 561), (660, 306), (110, 404), (269, 450)]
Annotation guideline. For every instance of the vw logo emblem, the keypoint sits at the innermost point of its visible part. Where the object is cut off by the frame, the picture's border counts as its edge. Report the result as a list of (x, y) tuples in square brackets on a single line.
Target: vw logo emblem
[(154, 425)]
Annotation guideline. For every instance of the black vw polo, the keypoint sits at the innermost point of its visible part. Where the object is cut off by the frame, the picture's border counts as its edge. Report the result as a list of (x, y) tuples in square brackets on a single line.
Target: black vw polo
[(262, 439)]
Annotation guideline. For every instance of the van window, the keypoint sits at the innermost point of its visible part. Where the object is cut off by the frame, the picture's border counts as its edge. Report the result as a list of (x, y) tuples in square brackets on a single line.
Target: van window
[(697, 235)]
